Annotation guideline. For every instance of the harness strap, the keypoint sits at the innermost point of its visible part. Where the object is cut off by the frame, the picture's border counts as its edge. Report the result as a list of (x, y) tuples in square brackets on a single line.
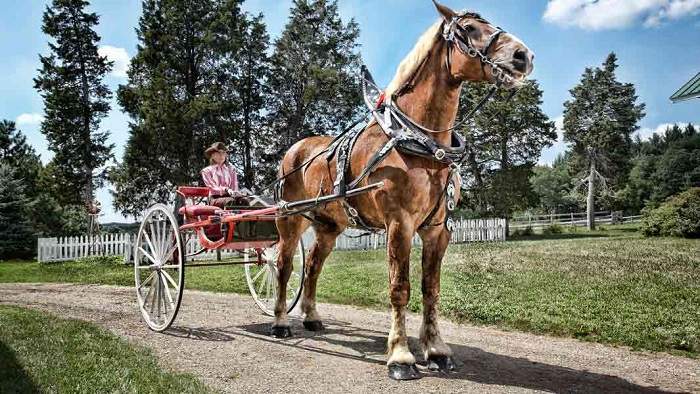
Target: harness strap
[(449, 194)]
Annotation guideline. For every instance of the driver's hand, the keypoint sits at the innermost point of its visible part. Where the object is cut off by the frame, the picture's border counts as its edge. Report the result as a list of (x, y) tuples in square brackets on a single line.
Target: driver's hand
[(233, 193)]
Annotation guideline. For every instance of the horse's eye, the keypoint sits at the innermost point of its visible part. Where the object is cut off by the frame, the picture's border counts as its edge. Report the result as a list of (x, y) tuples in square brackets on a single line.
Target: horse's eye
[(469, 28)]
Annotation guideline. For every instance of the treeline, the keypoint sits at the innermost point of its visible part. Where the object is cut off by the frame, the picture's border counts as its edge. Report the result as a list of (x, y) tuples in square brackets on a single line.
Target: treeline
[(206, 71), (605, 167)]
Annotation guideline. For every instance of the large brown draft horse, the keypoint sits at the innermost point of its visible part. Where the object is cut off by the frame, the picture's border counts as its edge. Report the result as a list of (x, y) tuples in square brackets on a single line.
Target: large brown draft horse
[(413, 185)]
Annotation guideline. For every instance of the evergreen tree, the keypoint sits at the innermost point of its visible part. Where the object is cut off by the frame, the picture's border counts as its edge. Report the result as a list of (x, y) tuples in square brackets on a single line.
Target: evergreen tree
[(255, 70), (504, 143), (16, 237), (181, 96), (20, 156), (75, 99), (602, 114), (314, 78), (599, 121)]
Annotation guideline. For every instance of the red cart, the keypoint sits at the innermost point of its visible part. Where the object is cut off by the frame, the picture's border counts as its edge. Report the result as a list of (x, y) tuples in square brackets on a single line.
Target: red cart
[(168, 238)]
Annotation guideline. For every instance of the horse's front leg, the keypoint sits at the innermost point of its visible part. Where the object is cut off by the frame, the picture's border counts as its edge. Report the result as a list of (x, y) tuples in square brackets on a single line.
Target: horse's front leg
[(437, 353), (290, 230), (401, 362)]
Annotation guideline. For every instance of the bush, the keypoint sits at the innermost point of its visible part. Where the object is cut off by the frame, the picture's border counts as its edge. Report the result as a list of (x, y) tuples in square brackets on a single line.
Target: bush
[(553, 229), (524, 232), (678, 216)]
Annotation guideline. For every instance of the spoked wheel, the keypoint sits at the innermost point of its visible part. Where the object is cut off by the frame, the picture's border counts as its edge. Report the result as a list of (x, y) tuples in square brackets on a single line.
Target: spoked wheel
[(159, 257), (262, 279)]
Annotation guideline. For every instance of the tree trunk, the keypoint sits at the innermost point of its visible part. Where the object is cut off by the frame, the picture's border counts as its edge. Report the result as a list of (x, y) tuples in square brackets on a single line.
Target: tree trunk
[(590, 201)]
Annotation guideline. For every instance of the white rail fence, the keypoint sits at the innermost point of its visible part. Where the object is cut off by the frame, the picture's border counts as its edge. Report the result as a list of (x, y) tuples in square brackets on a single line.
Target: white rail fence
[(71, 248), (570, 219)]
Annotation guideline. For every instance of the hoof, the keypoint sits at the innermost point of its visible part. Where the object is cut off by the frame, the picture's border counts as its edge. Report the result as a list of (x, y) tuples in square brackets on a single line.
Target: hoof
[(441, 363), (313, 325), (403, 372), (281, 332)]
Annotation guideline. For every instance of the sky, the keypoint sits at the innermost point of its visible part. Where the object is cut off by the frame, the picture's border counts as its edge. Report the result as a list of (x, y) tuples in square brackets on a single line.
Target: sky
[(657, 43)]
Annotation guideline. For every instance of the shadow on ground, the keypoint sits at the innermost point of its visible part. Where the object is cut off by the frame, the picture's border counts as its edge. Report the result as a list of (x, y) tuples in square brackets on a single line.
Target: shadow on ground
[(552, 237), (13, 377), (474, 364)]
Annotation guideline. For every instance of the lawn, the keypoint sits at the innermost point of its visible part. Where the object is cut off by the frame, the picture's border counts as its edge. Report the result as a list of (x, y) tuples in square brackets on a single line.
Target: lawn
[(610, 286), (40, 352)]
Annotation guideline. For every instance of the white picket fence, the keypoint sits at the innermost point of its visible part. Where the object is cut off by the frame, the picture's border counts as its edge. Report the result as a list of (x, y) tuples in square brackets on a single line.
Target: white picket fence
[(467, 230), (71, 248)]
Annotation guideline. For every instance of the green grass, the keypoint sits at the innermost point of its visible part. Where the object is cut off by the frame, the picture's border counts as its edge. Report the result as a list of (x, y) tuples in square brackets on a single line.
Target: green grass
[(610, 286), (43, 353)]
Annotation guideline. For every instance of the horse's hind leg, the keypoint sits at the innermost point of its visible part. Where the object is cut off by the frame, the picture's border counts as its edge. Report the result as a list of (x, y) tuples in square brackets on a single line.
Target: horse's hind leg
[(325, 241), (290, 230), (437, 353)]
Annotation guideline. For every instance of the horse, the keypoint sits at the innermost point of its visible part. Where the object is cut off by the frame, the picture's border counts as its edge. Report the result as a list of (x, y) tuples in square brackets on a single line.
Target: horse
[(426, 88)]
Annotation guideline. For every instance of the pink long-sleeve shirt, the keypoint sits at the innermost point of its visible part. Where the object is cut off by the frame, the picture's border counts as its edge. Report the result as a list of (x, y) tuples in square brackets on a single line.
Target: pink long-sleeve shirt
[(219, 177)]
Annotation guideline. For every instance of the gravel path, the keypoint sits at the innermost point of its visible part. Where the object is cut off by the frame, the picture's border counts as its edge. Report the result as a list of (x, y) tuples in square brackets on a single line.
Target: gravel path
[(222, 338)]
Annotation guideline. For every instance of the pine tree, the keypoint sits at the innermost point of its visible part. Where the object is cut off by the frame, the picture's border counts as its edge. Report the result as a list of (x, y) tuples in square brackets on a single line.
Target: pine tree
[(504, 143), (16, 236), (19, 155), (599, 121), (255, 69), (75, 99), (181, 96), (314, 77)]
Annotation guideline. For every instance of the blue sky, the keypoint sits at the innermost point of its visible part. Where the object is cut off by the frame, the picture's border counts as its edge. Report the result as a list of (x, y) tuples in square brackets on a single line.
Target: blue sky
[(657, 42)]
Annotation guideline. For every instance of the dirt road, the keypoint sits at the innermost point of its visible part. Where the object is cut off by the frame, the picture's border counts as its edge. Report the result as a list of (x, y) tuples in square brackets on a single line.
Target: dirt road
[(222, 338)]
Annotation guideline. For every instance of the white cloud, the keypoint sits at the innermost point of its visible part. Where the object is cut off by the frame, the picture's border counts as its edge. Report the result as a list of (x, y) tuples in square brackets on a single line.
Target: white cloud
[(645, 133), (617, 14), (120, 58), (29, 119)]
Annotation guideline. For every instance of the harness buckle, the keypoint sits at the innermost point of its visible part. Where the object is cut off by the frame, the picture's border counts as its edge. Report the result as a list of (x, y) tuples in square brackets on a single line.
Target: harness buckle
[(353, 212), (440, 154)]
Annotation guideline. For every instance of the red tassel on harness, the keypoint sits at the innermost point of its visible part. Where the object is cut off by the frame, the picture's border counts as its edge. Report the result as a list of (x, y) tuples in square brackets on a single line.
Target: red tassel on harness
[(381, 100)]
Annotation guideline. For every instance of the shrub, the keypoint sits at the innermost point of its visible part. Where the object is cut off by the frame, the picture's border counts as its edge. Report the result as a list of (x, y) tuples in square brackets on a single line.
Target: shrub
[(553, 229), (678, 216)]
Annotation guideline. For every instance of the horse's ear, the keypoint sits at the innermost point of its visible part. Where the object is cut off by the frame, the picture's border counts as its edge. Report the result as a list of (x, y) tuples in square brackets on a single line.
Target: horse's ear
[(445, 11)]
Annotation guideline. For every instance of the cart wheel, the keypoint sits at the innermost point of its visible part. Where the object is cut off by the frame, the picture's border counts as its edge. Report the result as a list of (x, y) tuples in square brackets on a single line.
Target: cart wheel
[(262, 279), (159, 257)]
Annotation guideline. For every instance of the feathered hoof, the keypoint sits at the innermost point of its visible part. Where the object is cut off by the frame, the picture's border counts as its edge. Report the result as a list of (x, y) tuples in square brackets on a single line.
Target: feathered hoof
[(313, 325), (281, 331), (444, 364), (404, 372)]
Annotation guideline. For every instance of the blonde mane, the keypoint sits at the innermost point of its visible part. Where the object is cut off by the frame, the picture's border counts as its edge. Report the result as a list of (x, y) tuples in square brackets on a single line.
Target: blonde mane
[(410, 64)]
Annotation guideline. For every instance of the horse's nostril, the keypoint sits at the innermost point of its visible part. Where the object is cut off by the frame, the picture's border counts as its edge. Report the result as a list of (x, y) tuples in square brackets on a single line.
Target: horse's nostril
[(520, 60)]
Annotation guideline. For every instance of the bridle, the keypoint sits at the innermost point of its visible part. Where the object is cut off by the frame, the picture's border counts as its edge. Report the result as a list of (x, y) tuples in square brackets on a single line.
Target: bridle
[(455, 35)]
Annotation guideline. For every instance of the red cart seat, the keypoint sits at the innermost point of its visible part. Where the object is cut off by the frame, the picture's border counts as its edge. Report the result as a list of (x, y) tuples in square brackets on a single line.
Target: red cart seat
[(191, 191), (198, 210)]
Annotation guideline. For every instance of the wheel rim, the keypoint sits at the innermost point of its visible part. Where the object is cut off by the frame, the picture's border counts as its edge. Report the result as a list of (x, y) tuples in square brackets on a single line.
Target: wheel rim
[(262, 279), (158, 268)]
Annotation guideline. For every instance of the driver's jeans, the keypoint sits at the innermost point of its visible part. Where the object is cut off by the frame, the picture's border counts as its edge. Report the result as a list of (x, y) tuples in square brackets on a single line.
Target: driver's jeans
[(224, 202)]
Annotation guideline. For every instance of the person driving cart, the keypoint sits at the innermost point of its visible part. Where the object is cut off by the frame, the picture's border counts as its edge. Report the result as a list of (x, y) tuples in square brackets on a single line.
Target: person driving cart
[(221, 178)]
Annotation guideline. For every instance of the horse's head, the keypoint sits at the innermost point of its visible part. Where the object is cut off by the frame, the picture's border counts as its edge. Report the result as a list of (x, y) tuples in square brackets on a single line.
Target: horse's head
[(484, 52)]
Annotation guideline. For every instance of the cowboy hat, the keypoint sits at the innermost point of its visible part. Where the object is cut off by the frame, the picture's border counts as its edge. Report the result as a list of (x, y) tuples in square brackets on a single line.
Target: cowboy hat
[(215, 147)]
